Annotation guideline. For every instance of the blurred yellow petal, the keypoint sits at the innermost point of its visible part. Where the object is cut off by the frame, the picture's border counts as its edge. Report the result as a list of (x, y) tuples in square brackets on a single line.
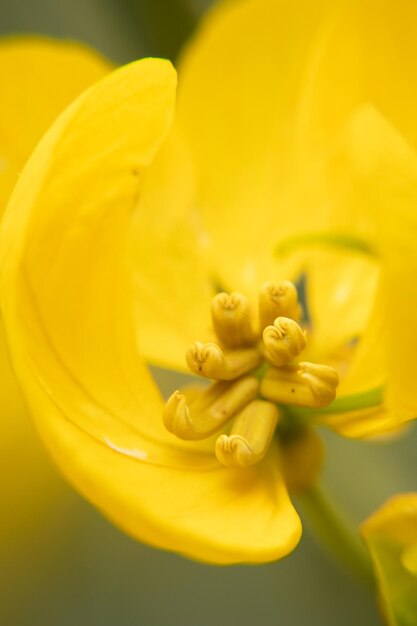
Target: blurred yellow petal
[(385, 168), (391, 536), (366, 423), (366, 53), (409, 558), (172, 291), (68, 290), (340, 286), (38, 79), (239, 84), (367, 186)]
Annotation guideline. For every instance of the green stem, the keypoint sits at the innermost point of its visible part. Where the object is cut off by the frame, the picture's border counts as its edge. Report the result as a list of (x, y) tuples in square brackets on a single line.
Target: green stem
[(370, 399), (336, 534), (326, 238)]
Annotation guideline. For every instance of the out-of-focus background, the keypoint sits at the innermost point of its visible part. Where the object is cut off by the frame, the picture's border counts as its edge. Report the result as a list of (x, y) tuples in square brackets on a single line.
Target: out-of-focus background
[(63, 564)]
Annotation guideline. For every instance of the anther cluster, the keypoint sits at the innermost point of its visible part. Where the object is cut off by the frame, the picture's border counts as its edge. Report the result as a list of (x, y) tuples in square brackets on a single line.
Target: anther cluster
[(255, 364)]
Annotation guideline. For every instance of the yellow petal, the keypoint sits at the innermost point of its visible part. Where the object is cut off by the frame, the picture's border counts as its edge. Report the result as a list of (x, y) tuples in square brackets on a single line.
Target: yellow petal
[(205, 512), (409, 558), (367, 423), (385, 168), (370, 182), (391, 536), (38, 79), (363, 52), (340, 290), (69, 312), (173, 283), (239, 83), (366, 53)]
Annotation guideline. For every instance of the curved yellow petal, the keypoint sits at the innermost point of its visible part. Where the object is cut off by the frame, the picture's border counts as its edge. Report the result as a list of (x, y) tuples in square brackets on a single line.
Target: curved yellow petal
[(385, 169), (69, 291), (239, 84), (38, 79), (391, 536), (173, 283), (366, 53), (205, 512)]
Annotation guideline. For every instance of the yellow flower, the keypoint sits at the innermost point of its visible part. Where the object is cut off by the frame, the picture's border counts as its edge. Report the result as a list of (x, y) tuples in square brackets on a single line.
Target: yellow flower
[(391, 536), (38, 79), (122, 224)]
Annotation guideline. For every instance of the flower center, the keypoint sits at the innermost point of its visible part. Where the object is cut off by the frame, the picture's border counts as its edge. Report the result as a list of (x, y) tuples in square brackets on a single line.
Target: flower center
[(254, 361)]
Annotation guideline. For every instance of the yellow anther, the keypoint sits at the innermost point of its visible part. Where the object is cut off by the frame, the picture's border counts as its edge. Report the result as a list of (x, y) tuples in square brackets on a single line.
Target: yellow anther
[(250, 436), (304, 384), (209, 360), (203, 415), (232, 320), (283, 341), (278, 299)]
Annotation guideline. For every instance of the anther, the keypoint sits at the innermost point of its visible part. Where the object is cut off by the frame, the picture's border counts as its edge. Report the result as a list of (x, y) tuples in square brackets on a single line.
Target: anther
[(209, 360), (283, 341), (250, 436), (232, 320), (278, 299), (304, 384), (210, 410)]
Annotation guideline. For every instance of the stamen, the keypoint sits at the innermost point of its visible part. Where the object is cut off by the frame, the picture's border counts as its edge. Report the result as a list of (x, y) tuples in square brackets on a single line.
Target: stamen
[(304, 384), (283, 341), (278, 299), (201, 417), (232, 321), (209, 360), (250, 435)]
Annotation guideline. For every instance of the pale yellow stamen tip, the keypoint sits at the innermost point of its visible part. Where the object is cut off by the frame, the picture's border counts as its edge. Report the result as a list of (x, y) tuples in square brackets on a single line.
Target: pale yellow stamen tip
[(278, 299), (176, 415), (250, 436), (232, 320), (283, 341), (323, 381), (234, 451), (305, 384), (210, 361), (209, 410)]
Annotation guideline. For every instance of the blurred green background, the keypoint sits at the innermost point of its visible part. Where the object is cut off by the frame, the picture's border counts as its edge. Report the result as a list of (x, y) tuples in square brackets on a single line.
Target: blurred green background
[(69, 566)]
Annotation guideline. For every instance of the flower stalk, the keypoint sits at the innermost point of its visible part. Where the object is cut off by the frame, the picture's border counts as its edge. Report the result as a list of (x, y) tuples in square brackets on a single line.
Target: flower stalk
[(336, 534)]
